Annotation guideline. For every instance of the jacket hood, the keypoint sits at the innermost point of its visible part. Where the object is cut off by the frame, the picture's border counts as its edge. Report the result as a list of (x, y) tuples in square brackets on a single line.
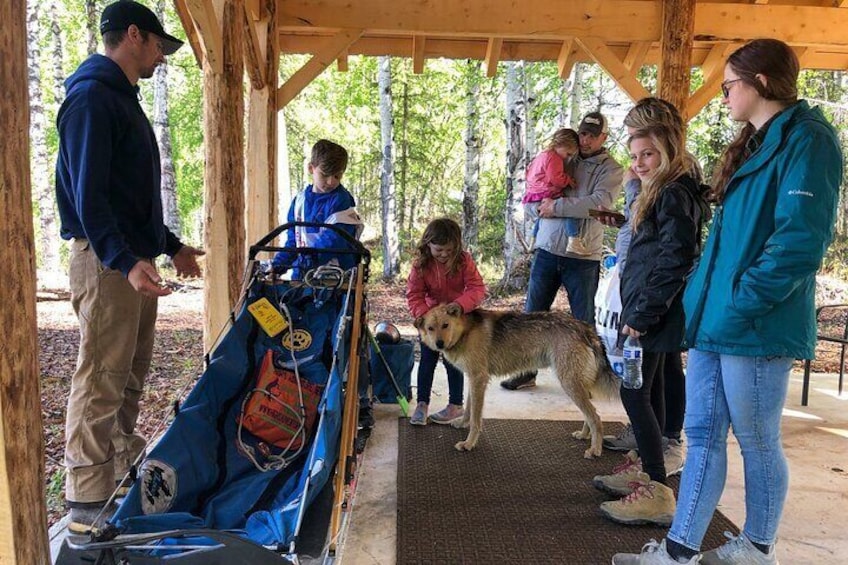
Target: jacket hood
[(103, 70)]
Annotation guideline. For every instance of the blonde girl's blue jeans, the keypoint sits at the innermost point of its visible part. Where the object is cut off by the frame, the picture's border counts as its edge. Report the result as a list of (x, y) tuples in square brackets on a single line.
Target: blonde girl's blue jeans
[(747, 394)]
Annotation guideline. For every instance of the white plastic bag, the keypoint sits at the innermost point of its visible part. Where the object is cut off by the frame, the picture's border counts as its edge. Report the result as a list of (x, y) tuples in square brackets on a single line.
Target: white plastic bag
[(608, 318)]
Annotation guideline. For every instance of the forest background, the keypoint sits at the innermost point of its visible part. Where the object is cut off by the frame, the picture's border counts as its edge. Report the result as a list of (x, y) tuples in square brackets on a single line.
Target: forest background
[(446, 142)]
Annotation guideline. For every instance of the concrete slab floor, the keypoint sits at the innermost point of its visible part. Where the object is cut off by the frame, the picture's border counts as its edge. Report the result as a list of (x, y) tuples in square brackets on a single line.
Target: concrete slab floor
[(815, 440)]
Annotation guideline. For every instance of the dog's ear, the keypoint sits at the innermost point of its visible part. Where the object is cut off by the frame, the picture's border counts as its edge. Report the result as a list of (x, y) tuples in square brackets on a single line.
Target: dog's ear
[(419, 322), (454, 309)]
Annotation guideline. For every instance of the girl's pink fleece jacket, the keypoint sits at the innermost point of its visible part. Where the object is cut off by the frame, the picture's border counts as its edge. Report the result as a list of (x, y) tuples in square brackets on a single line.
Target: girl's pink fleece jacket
[(433, 286)]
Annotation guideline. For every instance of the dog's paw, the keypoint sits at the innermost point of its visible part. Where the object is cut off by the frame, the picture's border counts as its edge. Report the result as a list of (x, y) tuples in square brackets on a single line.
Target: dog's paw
[(580, 434), (592, 452), (464, 446)]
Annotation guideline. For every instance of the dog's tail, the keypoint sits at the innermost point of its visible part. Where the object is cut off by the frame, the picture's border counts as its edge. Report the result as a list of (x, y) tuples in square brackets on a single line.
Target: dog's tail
[(607, 383)]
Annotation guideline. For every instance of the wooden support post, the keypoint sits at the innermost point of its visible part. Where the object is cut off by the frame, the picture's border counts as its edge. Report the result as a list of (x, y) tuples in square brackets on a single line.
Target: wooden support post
[(341, 61), (624, 77), (329, 52), (223, 108), (261, 197), (207, 16), (23, 513), (678, 31), (418, 42)]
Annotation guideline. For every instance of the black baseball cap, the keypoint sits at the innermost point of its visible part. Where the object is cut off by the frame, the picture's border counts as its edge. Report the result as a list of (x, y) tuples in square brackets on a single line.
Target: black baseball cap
[(594, 123), (121, 15)]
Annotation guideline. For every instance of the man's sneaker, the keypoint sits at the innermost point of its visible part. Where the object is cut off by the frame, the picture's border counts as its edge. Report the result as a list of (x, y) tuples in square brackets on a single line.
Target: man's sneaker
[(625, 441), (86, 516), (447, 414), (649, 503), (653, 553), (419, 417), (675, 457), (623, 477), (739, 550), (522, 380)]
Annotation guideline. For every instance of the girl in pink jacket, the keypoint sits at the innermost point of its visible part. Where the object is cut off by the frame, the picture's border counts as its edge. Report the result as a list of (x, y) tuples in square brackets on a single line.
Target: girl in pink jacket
[(442, 273)]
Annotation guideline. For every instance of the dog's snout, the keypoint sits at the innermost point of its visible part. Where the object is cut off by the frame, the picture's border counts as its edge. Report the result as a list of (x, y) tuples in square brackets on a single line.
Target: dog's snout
[(440, 343)]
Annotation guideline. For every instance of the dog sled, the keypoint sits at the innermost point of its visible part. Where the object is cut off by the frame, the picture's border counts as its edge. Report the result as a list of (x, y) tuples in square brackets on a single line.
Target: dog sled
[(259, 458)]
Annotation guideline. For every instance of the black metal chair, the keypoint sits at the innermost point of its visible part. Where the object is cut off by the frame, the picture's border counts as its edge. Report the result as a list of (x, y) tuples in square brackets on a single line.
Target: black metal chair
[(832, 324)]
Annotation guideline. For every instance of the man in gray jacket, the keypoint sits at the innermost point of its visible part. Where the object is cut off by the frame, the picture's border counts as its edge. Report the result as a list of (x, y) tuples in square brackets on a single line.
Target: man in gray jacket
[(573, 261)]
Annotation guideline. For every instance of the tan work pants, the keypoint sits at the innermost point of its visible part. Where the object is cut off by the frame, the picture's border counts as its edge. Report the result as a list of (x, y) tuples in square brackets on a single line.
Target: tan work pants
[(116, 346)]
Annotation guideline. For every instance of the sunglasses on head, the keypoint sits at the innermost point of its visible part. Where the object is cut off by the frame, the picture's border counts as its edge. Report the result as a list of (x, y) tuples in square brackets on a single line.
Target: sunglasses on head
[(725, 86)]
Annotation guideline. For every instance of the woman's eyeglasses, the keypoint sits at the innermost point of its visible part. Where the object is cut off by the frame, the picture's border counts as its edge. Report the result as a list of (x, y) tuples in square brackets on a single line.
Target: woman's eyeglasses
[(725, 86)]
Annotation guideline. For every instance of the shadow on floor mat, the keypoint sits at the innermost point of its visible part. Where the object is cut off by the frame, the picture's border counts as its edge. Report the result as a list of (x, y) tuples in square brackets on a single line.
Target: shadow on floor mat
[(524, 495)]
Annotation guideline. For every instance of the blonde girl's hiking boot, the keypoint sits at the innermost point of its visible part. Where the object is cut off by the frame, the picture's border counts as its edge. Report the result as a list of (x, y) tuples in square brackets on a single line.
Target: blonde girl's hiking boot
[(649, 503), (447, 414), (419, 416), (739, 550), (653, 553)]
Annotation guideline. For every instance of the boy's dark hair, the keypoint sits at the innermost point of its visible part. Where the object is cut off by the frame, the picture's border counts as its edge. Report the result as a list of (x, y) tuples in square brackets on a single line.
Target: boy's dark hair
[(330, 157)]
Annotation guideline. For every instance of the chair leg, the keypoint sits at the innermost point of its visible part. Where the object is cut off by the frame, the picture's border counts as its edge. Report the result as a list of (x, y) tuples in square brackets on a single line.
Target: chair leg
[(805, 389)]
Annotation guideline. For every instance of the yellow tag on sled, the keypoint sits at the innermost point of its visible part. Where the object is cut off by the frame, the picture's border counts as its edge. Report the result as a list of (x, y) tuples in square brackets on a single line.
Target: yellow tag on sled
[(268, 317)]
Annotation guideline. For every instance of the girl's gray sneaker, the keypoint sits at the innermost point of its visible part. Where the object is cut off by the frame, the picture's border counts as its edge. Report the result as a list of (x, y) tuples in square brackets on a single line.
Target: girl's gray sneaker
[(653, 553), (419, 416)]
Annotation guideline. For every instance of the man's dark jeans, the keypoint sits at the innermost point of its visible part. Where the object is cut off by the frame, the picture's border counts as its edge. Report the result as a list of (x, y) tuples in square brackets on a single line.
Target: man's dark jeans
[(578, 276)]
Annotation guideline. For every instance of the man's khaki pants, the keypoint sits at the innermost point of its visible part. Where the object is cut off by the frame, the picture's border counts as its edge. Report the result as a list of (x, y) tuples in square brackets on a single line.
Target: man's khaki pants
[(116, 346)]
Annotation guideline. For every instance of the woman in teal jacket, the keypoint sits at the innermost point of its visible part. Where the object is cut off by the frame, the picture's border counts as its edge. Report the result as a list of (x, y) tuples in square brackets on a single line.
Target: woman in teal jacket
[(750, 303)]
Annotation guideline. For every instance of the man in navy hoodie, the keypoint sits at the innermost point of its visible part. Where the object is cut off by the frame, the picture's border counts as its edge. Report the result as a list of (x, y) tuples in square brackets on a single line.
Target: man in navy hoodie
[(107, 187)]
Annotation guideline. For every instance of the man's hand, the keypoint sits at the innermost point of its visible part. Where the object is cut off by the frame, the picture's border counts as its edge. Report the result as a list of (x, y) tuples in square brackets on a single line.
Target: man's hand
[(627, 330), (546, 208), (144, 278), (185, 261)]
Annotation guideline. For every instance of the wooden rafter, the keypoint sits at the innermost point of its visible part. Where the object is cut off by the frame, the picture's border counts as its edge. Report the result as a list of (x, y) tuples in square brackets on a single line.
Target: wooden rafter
[(624, 77), (418, 42), (207, 17), (341, 61), (322, 59), (565, 61), (493, 56), (190, 29)]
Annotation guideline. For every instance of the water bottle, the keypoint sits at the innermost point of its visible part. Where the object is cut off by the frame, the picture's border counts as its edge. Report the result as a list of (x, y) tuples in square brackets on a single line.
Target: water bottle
[(632, 363)]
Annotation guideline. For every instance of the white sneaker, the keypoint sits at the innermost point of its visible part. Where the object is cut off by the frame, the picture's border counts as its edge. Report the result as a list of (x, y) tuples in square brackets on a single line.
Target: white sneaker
[(739, 551), (653, 553)]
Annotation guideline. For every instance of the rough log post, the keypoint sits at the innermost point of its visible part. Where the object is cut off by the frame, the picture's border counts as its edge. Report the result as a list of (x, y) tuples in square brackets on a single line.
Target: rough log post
[(678, 31), (261, 201), (223, 108), (23, 514)]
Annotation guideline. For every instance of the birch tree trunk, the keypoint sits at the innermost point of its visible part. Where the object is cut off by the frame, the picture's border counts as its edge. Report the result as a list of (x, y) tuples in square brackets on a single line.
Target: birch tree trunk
[(161, 127), (404, 162), (576, 94), (48, 243), (471, 186), (391, 255), (526, 228), (91, 25), (514, 167), (58, 59)]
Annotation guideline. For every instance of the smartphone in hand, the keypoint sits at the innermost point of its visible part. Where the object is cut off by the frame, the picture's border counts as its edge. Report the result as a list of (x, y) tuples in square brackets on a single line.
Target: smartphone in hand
[(608, 217)]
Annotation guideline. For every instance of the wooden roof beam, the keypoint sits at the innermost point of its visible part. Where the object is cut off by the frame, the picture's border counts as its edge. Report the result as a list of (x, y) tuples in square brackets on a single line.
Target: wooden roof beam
[(207, 16), (567, 58), (255, 36), (418, 42), (493, 56), (330, 50), (713, 70), (341, 61), (624, 77)]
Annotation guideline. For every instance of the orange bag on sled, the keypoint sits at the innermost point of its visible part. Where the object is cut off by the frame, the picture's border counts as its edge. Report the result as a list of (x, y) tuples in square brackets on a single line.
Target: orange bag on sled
[(273, 413)]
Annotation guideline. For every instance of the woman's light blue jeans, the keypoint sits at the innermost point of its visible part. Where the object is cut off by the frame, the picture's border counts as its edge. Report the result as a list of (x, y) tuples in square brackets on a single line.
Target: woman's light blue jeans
[(748, 394)]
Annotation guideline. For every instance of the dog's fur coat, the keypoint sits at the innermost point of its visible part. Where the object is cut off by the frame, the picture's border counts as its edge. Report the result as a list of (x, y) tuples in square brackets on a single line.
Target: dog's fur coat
[(484, 343)]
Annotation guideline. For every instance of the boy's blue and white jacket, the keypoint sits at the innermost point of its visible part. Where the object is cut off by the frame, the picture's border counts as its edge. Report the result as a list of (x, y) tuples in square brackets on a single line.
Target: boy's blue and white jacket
[(338, 208)]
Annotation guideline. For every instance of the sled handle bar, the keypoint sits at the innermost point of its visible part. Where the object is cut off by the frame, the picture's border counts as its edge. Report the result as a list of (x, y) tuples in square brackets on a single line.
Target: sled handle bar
[(262, 245)]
